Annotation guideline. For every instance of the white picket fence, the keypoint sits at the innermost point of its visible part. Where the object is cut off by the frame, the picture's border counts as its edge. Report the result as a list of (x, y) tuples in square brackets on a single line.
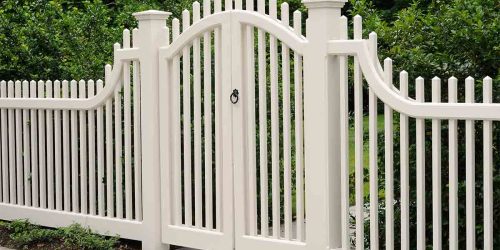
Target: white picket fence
[(232, 132)]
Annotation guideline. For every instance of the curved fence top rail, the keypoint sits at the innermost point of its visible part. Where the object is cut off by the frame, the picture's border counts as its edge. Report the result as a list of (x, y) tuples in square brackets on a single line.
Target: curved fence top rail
[(470, 111)]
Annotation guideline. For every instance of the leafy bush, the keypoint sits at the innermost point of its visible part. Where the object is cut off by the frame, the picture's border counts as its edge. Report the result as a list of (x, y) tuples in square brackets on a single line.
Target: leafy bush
[(25, 234)]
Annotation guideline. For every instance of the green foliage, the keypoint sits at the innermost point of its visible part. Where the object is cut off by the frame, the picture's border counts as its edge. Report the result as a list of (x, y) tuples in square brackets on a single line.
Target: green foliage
[(25, 234)]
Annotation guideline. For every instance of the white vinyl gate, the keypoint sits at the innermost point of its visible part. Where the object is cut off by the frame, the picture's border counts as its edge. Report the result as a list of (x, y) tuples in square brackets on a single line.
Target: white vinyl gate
[(230, 130)]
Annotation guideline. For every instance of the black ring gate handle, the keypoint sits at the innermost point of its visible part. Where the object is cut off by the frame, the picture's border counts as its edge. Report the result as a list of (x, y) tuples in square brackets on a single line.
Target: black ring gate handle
[(235, 96)]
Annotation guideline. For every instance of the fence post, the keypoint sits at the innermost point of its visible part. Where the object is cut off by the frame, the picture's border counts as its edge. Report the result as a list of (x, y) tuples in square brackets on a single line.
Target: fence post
[(322, 126), (151, 36)]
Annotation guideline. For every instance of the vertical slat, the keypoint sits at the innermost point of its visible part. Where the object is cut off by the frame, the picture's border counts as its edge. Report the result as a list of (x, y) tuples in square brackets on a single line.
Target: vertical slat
[(262, 68), (404, 162), (19, 148), (344, 137), (34, 149), (50, 147), (177, 129), (12, 147), (299, 132), (470, 176), (251, 131), (58, 150), (118, 147), (66, 152), (373, 171), (207, 88), (228, 5), (488, 169), (250, 6), (91, 151), (275, 134), (26, 149), (186, 78), (389, 161), (238, 4), (75, 196), (5, 157), (218, 119), (110, 204), (41, 148), (358, 141), (420, 144), (100, 155), (127, 113), (436, 169), (287, 154), (83, 150), (197, 121), (137, 133), (453, 168)]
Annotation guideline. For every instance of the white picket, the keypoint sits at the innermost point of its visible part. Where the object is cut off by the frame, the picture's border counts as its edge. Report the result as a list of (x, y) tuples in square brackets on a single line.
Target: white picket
[(389, 162), (101, 156), (420, 147), (436, 169), (127, 127), (58, 152), (488, 168), (91, 151), (137, 133), (110, 198), (75, 195), (404, 162), (66, 151), (453, 167), (197, 121), (26, 149), (19, 148), (34, 149), (50, 147), (177, 129), (82, 138), (358, 142), (12, 147), (299, 130), (470, 196)]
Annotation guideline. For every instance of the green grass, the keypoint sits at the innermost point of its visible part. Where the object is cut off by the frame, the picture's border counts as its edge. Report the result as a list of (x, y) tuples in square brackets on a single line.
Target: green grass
[(366, 158)]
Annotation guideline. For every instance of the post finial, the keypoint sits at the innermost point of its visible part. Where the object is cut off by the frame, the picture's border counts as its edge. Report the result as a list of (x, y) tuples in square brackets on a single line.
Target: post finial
[(152, 15), (312, 4)]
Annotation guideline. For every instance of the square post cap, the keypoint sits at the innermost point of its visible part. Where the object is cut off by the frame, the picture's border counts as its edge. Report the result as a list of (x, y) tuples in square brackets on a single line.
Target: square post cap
[(313, 4), (151, 15)]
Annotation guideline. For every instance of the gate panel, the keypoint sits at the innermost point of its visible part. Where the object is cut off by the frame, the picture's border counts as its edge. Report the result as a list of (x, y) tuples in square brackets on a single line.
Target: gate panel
[(268, 132), (198, 181)]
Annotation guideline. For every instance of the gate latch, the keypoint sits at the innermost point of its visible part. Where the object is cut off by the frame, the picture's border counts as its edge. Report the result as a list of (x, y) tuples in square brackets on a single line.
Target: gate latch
[(235, 96)]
